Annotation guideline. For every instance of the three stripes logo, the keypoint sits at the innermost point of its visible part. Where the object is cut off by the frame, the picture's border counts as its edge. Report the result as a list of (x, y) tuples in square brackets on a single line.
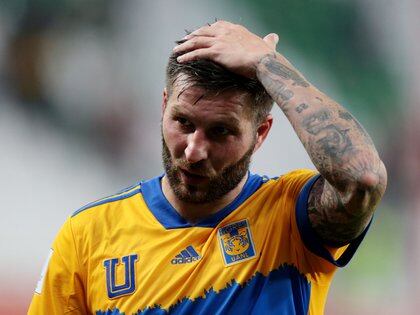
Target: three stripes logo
[(186, 256)]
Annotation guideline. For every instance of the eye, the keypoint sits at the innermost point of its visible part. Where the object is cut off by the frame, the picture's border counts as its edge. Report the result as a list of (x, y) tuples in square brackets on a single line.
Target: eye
[(184, 123), (220, 131)]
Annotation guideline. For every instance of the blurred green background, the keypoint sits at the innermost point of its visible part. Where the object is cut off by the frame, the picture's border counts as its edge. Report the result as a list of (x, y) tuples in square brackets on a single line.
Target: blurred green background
[(80, 94)]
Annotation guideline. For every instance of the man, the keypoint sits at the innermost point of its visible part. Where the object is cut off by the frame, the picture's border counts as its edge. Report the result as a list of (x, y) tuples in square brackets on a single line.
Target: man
[(208, 237)]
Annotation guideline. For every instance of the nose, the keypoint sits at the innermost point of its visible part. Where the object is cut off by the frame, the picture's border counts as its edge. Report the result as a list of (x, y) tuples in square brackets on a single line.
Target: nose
[(197, 147)]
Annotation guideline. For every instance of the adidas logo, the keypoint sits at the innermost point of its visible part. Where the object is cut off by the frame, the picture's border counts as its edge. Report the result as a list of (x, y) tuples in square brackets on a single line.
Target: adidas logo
[(186, 256)]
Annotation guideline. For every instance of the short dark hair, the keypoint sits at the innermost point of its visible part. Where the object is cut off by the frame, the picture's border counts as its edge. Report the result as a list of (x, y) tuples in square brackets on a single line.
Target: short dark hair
[(214, 78)]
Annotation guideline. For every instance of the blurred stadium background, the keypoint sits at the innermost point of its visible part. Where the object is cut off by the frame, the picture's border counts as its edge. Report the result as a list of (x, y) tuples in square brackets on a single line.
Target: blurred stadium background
[(80, 95)]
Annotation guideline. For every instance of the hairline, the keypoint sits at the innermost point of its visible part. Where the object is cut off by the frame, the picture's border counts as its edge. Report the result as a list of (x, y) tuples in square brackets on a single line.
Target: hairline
[(211, 92)]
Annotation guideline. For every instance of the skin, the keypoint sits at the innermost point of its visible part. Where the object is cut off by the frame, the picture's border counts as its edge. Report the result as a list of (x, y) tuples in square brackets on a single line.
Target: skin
[(353, 177), (206, 138)]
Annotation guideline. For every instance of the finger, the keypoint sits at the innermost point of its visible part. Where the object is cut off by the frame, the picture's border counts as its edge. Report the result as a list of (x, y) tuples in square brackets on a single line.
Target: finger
[(202, 53), (272, 39), (209, 30), (202, 31), (196, 42)]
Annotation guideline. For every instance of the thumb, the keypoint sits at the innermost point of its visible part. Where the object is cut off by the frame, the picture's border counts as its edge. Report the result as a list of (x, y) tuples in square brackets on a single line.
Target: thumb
[(271, 39)]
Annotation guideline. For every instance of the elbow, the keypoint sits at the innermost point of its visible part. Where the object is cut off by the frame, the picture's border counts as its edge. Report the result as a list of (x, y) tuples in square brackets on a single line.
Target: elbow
[(370, 187), (375, 180)]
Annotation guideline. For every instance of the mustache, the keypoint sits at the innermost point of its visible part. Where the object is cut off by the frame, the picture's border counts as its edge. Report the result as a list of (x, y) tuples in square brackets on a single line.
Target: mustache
[(195, 168), (199, 168)]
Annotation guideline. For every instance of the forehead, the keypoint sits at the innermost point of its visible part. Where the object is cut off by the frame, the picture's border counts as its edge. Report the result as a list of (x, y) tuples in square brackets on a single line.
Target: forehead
[(229, 104)]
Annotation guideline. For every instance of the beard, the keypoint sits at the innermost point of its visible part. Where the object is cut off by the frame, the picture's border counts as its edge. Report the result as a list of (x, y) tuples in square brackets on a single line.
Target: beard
[(216, 187)]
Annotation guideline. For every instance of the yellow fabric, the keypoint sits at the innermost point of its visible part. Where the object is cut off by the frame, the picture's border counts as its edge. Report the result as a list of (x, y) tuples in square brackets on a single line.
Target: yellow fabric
[(75, 279)]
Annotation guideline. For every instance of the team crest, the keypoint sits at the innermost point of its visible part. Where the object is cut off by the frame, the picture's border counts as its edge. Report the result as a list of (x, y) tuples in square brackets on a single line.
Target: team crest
[(126, 283), (236, 242)]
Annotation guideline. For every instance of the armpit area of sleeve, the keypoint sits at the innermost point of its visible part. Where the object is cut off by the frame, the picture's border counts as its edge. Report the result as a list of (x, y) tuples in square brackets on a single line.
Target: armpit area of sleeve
[(311, 240)]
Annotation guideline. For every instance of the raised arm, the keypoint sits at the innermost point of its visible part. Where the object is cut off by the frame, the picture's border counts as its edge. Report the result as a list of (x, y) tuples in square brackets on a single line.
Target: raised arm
[(353, 178)]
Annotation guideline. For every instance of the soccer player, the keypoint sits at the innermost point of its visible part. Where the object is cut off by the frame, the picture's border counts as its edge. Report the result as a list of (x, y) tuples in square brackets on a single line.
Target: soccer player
[(207, 236)]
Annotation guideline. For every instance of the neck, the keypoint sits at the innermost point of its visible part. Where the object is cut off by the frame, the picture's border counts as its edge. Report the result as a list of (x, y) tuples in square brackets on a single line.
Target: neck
[(195, 212)]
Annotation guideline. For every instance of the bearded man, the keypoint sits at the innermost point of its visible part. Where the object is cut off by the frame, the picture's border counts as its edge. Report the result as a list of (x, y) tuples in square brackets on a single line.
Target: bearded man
[(207, 236)]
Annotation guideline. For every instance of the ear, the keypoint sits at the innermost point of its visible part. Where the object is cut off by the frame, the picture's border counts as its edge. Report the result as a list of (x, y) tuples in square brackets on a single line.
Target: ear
[(164, 100), (262, 131)]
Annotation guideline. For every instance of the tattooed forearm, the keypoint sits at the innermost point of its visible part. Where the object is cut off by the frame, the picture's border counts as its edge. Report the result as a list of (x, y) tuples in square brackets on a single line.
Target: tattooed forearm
[(284, 72), (301, 107), (331, 139), (283, 92), (349, 117), (330, 134), (334, 142), (353, 176), (315, 122)]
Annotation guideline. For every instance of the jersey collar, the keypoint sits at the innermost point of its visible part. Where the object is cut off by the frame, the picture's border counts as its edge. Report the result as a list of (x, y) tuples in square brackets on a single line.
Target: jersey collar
[(171, 219)]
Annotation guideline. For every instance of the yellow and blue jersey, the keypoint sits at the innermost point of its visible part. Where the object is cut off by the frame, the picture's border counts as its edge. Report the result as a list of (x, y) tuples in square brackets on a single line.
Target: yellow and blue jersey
[(132, 253)]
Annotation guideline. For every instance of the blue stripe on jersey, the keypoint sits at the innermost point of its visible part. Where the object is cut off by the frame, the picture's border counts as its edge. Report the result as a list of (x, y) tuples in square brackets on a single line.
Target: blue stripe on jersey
[(128, 188), (112, 198), (192, 251), (309, 236), (282, 291), (171, 219), (185, 253)]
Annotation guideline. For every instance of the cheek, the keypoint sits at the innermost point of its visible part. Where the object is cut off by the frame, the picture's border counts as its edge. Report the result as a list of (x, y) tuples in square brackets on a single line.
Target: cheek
[(175, 141), (227, 154), (237, 149)]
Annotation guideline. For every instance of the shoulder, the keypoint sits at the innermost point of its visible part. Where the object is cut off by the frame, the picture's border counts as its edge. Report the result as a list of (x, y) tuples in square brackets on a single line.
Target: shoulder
[(283, 192), (291, 182), (111, 201), (299, 175)]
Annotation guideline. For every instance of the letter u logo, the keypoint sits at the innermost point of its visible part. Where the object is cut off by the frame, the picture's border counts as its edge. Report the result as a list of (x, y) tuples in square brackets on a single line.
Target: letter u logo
[(129, 285)]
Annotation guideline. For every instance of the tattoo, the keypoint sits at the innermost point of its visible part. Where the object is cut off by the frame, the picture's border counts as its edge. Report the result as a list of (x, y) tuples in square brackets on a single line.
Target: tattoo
[(353, 179), (278, 91), (314, 123), (285, 107), (330, 218), (331, 138), (345, 115), (334, 141), (282, 92), (349, 117), (285, 72), (301, 107)]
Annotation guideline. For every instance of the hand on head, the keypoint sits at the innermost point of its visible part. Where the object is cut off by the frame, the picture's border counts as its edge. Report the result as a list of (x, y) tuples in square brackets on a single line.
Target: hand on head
[(229, 45)]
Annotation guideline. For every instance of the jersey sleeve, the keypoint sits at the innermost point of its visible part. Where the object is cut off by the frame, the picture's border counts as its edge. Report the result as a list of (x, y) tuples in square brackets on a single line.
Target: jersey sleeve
[(336, 256), (61, 287), (310, 253)]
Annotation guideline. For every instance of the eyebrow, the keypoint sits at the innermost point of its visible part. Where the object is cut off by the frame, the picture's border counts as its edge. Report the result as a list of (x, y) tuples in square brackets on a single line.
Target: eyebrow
[(176, 109), (231, 121)]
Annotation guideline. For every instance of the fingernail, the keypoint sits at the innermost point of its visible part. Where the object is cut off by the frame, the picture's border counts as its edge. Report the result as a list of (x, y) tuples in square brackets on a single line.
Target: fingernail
[(179, 59)]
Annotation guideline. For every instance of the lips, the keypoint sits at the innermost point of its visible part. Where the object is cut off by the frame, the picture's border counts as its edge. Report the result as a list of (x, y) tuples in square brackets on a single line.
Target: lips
[(192, 173), (192, 178)]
